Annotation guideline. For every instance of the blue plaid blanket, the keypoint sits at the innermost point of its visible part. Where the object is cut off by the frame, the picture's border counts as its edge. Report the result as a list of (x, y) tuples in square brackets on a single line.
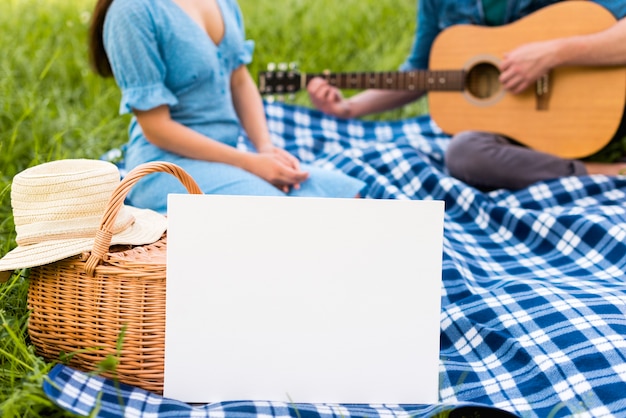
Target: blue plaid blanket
[(533, 315)]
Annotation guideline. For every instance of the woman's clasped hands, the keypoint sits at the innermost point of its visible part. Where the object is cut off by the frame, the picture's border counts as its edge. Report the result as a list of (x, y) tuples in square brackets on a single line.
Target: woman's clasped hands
[(279, 168)]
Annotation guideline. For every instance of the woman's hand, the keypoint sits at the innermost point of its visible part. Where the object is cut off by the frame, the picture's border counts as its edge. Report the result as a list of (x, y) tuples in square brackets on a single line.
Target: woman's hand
[(327, 98), (281, 155), (278, 167)]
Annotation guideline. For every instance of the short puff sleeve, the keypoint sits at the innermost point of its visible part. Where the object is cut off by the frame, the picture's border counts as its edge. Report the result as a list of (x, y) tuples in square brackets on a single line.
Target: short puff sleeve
[(245, 53), (246, 48), (131, 41)]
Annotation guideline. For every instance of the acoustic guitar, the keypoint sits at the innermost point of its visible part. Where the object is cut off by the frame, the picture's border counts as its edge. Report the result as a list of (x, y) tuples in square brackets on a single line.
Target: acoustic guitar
[(571, 112)]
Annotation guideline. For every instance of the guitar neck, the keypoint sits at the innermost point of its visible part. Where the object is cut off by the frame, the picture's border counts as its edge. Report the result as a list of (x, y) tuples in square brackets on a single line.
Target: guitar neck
[(415, 80)]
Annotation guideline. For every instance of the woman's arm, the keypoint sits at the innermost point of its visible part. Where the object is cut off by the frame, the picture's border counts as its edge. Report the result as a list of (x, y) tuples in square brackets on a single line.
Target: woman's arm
[(249, 107), (162, 131)]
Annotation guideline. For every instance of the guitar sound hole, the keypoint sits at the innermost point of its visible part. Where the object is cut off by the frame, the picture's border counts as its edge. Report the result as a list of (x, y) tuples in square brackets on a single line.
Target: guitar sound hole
[(482, 80)]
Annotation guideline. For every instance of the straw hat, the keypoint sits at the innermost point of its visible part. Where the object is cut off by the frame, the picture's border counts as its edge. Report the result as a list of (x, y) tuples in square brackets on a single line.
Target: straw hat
[(58, 207)]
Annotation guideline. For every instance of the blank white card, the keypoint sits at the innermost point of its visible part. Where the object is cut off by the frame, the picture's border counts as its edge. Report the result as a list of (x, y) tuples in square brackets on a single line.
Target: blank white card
[(306, 300)]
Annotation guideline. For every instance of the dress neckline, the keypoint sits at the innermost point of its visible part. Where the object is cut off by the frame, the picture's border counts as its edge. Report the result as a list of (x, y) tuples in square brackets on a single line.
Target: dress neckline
[(200, 27)]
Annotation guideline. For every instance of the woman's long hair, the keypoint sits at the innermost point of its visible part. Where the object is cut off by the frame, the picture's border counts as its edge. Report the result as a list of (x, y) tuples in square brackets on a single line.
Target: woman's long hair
[(97, 55)]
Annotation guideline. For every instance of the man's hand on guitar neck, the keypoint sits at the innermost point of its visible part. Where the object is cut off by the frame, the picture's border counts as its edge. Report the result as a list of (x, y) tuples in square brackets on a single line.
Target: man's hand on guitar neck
[(329, 99)]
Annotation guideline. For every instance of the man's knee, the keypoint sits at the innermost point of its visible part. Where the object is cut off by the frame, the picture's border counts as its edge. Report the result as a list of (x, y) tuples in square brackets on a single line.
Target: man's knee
[(465, 154)]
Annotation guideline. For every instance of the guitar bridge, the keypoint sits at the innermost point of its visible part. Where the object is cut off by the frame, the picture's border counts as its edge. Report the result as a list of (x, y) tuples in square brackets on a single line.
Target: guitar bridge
[(543, 92)]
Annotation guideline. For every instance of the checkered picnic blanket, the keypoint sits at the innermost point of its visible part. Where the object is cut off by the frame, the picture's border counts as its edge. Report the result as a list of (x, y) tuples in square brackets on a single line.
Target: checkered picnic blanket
[(534, 287)]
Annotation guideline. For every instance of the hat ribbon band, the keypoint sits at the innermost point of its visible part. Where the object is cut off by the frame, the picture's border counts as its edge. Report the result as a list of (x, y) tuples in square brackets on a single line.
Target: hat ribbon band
[(117, 228)]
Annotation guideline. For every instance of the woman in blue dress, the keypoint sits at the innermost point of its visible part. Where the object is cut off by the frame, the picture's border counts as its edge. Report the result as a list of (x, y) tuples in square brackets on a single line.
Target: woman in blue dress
[(181, 68)]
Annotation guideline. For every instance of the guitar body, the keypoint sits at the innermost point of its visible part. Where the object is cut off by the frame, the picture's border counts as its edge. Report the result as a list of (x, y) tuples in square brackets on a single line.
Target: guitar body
[(577, 114)]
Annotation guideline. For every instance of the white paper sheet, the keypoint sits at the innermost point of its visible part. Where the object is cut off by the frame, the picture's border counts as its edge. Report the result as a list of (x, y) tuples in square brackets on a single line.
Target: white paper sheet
[(303, 299)]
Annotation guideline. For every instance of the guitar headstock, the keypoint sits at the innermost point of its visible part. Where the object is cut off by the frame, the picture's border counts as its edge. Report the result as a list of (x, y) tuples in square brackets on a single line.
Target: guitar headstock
[(280, 79)]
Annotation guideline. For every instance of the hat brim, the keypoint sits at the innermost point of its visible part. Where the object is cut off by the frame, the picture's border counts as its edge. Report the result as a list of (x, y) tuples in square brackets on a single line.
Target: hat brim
[(148, 227)]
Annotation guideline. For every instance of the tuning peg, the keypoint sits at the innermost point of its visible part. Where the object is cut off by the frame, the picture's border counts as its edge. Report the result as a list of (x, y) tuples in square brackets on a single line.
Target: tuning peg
[(271, 66), (282, 66), (293, 66)]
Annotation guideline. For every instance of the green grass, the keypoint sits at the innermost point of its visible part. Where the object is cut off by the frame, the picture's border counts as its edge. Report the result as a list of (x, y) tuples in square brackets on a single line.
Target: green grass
[(52, 107)]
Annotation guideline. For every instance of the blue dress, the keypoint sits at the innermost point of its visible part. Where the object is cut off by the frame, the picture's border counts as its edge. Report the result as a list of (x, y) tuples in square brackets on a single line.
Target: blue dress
[(160, 56)]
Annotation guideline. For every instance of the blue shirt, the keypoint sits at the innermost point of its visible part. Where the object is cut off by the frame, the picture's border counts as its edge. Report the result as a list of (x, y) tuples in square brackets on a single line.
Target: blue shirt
[(436, 15), (160, 56)]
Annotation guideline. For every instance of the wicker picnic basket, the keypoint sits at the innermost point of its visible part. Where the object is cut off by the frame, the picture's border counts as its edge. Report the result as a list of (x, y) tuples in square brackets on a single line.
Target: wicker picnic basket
[(108, 303)]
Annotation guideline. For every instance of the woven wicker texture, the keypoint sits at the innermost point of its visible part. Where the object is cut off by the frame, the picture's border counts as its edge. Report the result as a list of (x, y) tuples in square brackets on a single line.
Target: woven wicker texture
[(83, 307)]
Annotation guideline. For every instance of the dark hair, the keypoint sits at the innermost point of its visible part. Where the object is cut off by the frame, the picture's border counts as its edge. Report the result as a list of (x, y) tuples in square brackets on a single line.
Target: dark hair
[(97, 55)]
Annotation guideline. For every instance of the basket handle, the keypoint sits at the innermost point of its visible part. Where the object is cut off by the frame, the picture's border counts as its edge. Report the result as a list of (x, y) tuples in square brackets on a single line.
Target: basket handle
[(105, 231)]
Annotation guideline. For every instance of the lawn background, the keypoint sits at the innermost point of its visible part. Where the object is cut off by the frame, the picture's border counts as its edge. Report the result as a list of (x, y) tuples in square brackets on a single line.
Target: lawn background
[(53, 107)]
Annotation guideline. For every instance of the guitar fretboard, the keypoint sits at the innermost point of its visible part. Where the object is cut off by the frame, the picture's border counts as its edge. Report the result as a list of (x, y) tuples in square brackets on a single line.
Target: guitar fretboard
[(416, 80)]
